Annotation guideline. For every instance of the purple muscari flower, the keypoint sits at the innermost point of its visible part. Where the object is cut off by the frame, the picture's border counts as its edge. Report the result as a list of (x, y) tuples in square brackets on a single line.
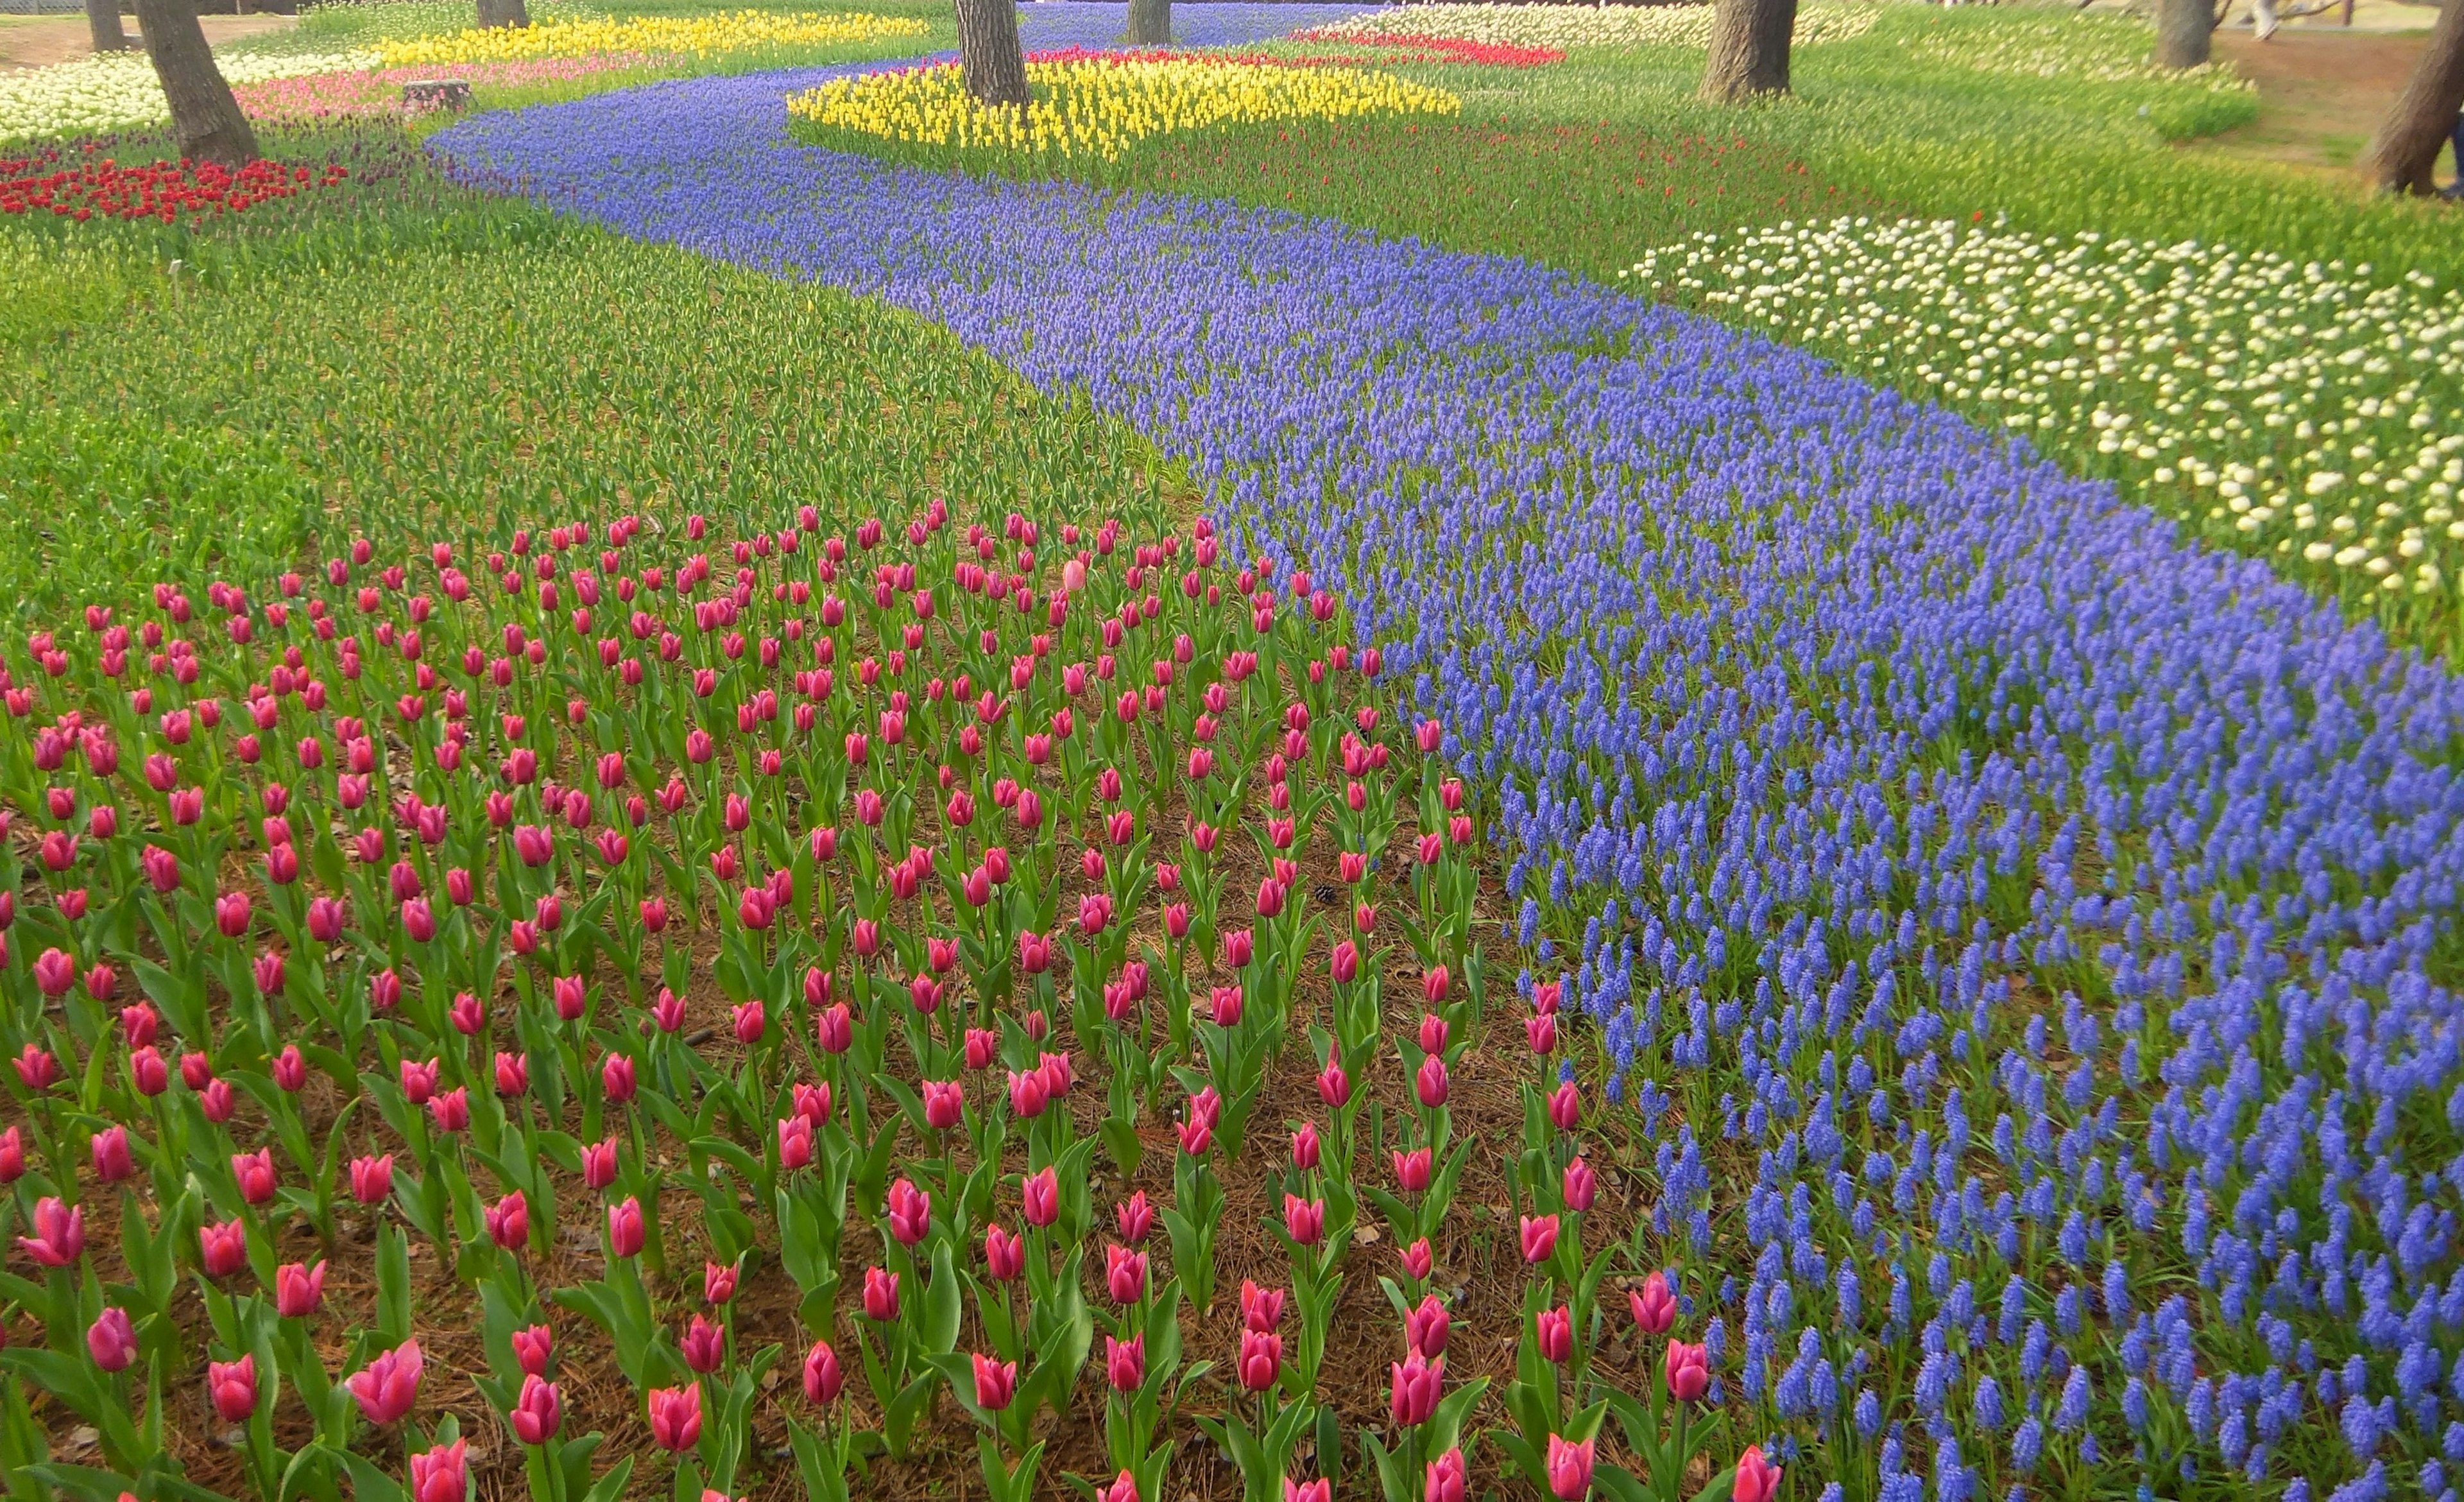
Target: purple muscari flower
[(2072, 1412)]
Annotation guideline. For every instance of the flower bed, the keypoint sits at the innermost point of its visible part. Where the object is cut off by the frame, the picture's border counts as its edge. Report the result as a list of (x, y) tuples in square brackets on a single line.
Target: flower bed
[(2019, 937), (2293, 409), (1097, 107), (83, 187), (1616, 27), (699, 36)]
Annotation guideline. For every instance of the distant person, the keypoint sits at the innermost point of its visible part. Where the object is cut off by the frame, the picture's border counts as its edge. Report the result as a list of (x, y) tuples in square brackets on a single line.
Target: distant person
[(2263, 18)]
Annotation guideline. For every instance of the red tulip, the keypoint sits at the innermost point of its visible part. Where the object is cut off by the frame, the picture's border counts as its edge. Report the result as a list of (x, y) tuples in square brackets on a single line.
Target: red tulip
[(388, 1386), (538, 1413)]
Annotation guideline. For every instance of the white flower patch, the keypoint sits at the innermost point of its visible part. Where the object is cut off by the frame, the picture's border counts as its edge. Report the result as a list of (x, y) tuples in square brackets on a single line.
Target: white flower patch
[(1622, 27), (117, 91), (2100, 48), (2262, 400)]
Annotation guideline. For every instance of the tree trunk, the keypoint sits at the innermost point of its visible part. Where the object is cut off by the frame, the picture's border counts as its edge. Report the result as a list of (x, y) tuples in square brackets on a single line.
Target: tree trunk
[(1748, 53), (2183, 30), (989, 53), (2405, 149), (103, 19), (1149, 23), (504, 13), (204, 118)]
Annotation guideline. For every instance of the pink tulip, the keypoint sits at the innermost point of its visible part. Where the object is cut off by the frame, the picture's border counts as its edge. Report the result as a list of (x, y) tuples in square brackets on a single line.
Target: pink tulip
[(1333, 1086), (1555, 1328), (1688, 1370), (1425, 1328), (1304, 1147), (372, 1179), (112, 1159), (1124, 1487), (1004, 1254), (1262, 1308), (676, 1417), (1433, 1032), (112, 1340), (1135, 1217), (1319, 1491), (598, 1165), (996, 1383), (1261, 1360), (254, 1173), (704, 1345), (1566, 1107), (1449, 1479), (795, 1143), (1570, 1468), (299, 1290), (1304, 1219), (880, 1295), (1417, 1385), (1125, 1362), (1539, 1238), (718, 1280), (1125, 1274), (944, 1104), (232, 1387), (509, 1220), (911, 1212), (1580, 1186), (823, 1378), (1757, 1478), (534, 1348), (1430, 1084), (1655, 1308), (390, 1385), (538, 1413), (1418, 1261), (625, 1231), (1042, 1194), (223, 1248)]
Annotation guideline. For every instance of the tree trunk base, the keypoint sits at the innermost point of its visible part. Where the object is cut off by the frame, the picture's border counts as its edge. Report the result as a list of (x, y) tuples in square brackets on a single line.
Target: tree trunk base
[(2404, 155), (206, 120), (1749, 53), (989, 53), (1149, 23)]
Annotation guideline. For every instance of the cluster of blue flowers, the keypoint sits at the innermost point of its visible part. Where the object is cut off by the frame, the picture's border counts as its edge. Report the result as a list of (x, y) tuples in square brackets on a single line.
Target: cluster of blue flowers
[(2050, 929)]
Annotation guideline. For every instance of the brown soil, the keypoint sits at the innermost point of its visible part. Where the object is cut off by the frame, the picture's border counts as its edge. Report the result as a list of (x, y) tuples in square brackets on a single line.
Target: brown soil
[(33, 41), (2322, 91)]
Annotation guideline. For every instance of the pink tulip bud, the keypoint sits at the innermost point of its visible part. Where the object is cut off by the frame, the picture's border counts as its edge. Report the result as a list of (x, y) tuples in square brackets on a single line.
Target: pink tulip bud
[(599, 1164), (625, 1231), (111, 1340), (1262, 1308), (1757, 1478), (1261, 1360), (1125, 1365), (1425, 1328), (1304, 1147), (1654, 1307), (880, 1295), (1430, 1084), (1413, 1170), (1321, 1489), (944, 1103), (996, 1383), (1004, 1254), (1433, 1033), (704, 1347), (1539, 1238), (822, 1377), (509, 1220), (1334, 1085), (1448, 1478), (1418, 1261), (113, 1160), (1566, 1106), (1541, 1031), (795, 1142), (1125, 1274), (534, 1347), (372, 1179), (1580, 1186), (1555, 1328), (1304, 1219), (1042, 1194), (254, 1175)]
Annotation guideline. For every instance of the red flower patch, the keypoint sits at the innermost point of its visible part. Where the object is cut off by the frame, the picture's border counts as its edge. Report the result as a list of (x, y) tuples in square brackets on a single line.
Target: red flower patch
[(166, 191)]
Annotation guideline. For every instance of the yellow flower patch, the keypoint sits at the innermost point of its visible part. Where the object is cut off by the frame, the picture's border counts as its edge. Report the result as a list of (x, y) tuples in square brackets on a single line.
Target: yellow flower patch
[(1099, 107), (701, 35)]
